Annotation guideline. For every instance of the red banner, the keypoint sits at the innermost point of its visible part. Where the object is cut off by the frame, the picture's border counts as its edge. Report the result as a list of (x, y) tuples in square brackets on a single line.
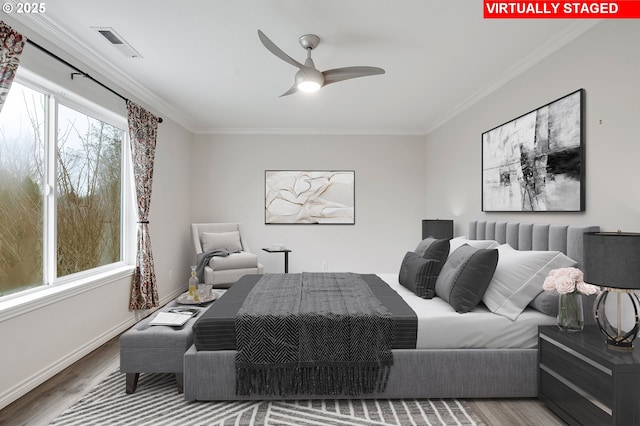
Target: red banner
[(622, 9)]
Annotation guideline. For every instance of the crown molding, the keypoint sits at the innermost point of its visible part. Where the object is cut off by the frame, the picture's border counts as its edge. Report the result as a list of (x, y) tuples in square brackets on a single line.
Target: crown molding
[(566, 36), (54, 38), (311, 131)]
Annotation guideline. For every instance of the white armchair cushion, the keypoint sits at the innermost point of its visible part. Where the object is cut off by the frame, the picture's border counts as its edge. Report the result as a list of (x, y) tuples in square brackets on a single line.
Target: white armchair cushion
[(220, 240), (240, 260)]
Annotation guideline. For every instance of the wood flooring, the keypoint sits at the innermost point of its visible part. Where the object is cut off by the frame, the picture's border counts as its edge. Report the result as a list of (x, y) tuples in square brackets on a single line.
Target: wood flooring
[(45, 402), (51, 398)]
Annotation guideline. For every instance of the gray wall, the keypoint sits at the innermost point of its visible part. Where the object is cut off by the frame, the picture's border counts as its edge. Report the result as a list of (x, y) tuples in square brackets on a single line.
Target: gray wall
[(228, 181), (606, 63)]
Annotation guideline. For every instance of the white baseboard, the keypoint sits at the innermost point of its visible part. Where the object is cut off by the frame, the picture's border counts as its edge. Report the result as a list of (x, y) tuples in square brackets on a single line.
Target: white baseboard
[(27, 385)]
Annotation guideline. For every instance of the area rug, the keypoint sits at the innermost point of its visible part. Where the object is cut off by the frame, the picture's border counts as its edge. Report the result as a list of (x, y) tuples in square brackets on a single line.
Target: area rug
[(157, 402)]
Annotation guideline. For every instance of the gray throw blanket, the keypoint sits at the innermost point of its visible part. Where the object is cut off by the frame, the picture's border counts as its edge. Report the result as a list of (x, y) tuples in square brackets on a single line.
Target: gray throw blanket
[(312, 333), (203, 259)]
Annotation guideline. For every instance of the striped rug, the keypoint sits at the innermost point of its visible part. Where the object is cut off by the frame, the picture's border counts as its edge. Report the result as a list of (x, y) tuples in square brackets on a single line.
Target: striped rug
[(157, 402)]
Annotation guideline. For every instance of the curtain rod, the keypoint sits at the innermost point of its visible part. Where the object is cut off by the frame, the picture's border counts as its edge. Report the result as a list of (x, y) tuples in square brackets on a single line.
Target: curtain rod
[(79, 71)]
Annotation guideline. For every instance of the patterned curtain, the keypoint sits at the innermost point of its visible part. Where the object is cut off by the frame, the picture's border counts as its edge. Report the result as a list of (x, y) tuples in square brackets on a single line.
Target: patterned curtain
[(143, 130), (11, 45)]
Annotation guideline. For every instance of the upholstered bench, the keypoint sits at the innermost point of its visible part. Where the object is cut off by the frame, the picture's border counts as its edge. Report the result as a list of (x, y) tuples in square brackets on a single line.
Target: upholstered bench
[(148, 348)]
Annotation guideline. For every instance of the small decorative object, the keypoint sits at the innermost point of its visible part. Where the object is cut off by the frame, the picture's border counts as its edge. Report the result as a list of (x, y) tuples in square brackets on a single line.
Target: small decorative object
[(570, 313), (204, 290), (183, 299), (193, 286), (569, 284), (536, 162), (612, 260)]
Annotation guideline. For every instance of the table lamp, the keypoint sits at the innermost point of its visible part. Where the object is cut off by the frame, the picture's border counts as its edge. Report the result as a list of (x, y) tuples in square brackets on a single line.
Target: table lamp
[(437, 228), (612, 261)]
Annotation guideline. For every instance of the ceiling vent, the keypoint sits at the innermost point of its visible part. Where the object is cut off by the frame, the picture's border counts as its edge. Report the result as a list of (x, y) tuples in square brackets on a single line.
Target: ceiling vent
[(118, 42)]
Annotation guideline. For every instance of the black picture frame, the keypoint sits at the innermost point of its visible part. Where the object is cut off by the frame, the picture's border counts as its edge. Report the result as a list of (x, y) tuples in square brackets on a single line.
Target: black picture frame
[(535, 162), (309, 197)]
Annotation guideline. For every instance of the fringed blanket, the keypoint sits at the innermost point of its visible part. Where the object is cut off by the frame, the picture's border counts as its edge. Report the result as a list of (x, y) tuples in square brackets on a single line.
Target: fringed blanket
[(312, 333)]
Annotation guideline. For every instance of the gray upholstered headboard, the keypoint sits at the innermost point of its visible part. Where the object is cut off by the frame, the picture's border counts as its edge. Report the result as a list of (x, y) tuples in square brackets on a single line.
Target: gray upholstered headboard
[(534, 236)]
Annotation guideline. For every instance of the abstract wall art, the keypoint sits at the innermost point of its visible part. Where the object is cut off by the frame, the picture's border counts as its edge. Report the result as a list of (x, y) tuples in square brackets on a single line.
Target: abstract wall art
[(535, 163), (309, 197)]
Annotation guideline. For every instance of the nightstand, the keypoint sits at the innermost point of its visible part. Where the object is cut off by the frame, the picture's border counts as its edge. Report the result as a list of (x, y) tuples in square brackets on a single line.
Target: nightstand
[(585, 383)]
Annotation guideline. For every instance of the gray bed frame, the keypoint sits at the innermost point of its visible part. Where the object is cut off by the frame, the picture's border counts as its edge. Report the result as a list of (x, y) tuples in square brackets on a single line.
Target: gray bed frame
[(425, 373)]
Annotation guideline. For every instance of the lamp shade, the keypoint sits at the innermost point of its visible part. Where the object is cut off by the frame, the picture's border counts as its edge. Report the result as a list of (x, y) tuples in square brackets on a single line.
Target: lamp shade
[(437, 228), (612, 259)]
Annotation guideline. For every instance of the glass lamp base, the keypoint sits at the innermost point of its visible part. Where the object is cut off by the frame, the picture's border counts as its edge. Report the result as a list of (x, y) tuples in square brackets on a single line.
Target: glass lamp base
[(619, 337)]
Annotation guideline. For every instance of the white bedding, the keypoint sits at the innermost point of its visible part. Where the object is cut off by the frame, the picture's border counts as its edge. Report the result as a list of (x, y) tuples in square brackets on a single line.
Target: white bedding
[(441, 327)]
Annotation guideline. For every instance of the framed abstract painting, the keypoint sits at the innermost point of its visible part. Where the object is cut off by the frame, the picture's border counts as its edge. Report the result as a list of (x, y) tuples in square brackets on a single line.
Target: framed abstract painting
[(321, 197), (535, 163)]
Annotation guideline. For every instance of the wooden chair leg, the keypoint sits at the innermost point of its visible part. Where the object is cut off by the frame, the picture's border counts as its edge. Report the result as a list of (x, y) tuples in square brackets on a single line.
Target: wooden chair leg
[(132, 382), (180, 382)]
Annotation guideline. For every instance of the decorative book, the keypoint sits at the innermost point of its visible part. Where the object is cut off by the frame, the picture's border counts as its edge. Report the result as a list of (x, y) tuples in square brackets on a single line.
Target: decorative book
[(175, 319)]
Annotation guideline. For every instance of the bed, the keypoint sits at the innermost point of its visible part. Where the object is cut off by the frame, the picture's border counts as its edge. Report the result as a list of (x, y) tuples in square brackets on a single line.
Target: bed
[(454, 355)]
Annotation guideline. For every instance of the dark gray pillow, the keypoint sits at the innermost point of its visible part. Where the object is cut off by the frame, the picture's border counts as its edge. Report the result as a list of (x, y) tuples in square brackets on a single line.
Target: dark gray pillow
[(417, 274), (465, 277), (424, 245), (431, 248)]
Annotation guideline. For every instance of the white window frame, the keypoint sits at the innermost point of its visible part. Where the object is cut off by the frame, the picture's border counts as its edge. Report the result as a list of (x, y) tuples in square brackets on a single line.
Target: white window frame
[(54, 289)]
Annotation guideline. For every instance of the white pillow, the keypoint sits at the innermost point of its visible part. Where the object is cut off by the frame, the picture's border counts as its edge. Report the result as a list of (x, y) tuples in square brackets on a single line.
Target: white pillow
[(220, 240), (457, 242), (519, 277)]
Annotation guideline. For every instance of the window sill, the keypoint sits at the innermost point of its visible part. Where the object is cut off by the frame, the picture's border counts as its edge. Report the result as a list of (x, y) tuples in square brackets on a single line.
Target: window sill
[(35, 300)]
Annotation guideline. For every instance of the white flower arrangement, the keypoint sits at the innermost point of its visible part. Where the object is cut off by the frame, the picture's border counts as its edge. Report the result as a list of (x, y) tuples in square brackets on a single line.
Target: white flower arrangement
[(568, 280)]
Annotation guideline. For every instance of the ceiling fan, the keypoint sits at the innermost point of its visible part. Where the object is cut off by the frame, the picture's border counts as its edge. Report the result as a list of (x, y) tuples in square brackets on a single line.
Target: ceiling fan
[(308, 78)]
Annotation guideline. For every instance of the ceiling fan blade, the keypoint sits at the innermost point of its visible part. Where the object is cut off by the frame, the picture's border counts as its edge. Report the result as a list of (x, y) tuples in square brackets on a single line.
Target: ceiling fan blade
[(340, 74), (271, 47), (291, 91)]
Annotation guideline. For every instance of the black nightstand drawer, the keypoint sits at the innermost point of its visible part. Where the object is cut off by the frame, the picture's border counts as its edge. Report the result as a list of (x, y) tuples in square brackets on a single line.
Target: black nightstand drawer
[(583, 373), (584, 382), (570, 405)]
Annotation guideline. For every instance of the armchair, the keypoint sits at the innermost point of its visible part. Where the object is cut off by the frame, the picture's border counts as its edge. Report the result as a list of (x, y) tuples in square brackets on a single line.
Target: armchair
[(223, 271)]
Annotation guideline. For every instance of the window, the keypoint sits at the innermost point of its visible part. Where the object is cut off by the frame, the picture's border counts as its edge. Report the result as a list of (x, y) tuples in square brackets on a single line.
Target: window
[(22, 125), (62, 197)]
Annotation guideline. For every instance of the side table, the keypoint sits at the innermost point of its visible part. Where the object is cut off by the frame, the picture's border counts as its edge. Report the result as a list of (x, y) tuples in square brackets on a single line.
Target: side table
[(286, 257), (585, 383)]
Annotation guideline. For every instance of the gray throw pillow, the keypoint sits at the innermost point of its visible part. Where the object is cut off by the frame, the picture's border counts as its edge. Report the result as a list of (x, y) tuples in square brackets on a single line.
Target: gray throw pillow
[(417, 274), (434, 249), (465, 277), (424, 245), (546, 302)]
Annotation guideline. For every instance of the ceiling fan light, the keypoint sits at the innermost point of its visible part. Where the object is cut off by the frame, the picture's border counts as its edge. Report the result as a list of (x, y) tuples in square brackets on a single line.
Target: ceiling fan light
[(309, 80), (308, 86)]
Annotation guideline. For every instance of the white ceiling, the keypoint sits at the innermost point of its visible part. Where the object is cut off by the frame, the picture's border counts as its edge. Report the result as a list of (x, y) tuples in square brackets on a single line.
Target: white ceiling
[(204, 66)]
